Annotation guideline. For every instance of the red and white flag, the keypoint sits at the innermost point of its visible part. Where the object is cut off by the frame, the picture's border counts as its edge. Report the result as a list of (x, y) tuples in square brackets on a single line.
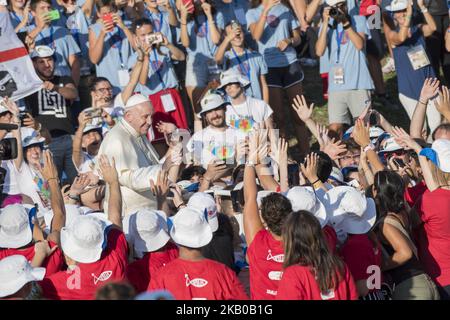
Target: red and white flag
[(17, 76)]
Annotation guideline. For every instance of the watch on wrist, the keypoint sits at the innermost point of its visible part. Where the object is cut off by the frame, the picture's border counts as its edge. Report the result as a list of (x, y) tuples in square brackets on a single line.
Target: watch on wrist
[(370, 146), (76, 198)]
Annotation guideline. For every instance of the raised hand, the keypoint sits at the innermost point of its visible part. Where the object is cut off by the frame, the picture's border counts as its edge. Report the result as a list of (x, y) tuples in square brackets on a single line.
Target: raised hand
[(443, 103), (405, 140), (165, 127), (322, 135), (430, 89), (207, 9), (107, 170), (309, 170), (215, 171), (79, 184), (361, 134), (334, 149), (301, 107), (161, 188), (48, 170)]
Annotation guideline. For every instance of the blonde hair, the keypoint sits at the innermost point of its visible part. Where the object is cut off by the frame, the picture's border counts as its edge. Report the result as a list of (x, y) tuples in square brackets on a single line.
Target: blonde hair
[(441, 177)]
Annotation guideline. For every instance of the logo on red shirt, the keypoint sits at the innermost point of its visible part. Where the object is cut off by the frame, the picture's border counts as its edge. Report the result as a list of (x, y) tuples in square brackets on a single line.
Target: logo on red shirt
[(275, 275), (197, 282), (278, 258), (105, 275)]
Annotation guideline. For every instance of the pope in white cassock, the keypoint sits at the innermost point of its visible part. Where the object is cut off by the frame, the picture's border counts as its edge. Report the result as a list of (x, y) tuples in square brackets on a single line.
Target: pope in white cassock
[(137, 162)]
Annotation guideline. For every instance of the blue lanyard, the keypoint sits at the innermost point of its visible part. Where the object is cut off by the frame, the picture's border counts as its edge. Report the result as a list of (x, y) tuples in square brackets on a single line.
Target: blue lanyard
[(242, 66), (51, 43), (156, 68), (112, 43), (150, 14), (339, 37), (74, 31)]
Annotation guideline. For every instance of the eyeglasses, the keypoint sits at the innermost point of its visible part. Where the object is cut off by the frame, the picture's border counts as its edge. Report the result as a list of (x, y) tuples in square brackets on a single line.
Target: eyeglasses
[(104, 90), (353, 156)]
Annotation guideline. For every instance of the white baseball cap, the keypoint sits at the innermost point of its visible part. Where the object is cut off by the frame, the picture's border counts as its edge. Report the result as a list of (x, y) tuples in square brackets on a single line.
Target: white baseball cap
[(304, 198), (332, 3), (205, 203), (189, 228), (390, 145), (350, 210), (397, 5), (136, 99), (232, 76), (84, 238), (42, 52), (91, 127), (212, 101), (30, 137), (442, 149), (147, 230), (15, 228), (15, 272)]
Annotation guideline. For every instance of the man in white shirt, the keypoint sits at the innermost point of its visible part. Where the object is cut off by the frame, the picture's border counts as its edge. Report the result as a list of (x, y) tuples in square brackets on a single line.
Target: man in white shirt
[(137, 162), (218, 142), (244, 113)]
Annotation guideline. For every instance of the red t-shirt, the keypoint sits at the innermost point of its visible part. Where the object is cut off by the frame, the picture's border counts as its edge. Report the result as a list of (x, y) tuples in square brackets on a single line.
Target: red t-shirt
[(141, 271), (198, 280), (358, 253), (414, 193), (52, 264), (82, 283), (265, 258), (331, 237), (434, 235), (298, 283)]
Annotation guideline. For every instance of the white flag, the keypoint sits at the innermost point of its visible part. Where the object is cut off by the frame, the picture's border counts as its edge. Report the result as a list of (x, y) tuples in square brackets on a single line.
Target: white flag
[(17, 76)]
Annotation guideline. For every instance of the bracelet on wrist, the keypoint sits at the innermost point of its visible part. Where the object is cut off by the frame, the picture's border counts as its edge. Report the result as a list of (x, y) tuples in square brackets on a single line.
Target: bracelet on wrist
[(422, 102), (348, 25), (76, 198), (424, 10)]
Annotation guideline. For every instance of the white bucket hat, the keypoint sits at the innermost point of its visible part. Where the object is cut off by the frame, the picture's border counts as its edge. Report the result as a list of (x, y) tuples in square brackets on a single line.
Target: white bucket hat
[(15, 272), (30, 137), (136, 99), (212, 101), (189, 228), (147, 230), (304, 198), (350, 210), (15, 229), (397, 5), (42, 52), (205, 203), (439, 154), (232, 76), (83, 240)]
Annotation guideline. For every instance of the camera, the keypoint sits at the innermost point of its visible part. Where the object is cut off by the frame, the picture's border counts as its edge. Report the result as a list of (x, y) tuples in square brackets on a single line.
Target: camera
[(154, 38), (336, 14), (8, 149), (22, 117)]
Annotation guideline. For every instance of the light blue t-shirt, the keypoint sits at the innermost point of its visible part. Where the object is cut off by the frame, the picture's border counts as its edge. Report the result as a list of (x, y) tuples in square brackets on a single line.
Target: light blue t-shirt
[(116, 52), (251, 65), (78, 25), (161, 74), (352, 61), (279, 24), (235, 10), (201, 47), (60, 40), (160, 23), (16, 20)]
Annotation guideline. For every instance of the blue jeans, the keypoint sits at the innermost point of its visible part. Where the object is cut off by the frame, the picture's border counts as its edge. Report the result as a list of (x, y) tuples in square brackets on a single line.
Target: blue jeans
[(61, 148)]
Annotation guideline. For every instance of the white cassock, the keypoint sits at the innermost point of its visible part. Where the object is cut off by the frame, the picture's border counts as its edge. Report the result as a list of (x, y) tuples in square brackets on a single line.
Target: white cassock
[(136, 162)]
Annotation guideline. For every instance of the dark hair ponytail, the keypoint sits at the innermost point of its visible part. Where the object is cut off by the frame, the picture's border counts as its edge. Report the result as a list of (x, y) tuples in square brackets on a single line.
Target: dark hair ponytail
[(390, 189)]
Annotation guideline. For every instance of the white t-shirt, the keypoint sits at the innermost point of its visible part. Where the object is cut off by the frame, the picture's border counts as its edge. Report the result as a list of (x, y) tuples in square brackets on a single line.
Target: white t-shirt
[(245, 115), (10, 185), (88, 163), (210, 144)]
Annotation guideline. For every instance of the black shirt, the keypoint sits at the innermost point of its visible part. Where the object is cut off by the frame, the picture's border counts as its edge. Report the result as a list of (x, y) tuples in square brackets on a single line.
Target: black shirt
[(51, 109), (436, 7)]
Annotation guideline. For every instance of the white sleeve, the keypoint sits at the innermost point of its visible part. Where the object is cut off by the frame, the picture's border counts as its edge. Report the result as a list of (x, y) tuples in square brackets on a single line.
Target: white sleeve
[(139, 179)]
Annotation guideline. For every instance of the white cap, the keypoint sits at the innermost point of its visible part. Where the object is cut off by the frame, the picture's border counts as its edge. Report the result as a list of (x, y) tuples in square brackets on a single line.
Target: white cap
[(337, 174), (212, 101), (389, 145), (83, 239), (136, 99), (350, 210), (233, 76), (304, 198), (397, 5), (30, 137), (16, 272), (15, 229), (189, 228), (42, 52), (205, 203), (147, 230), (91, 127), (442, 148), (332, 3)]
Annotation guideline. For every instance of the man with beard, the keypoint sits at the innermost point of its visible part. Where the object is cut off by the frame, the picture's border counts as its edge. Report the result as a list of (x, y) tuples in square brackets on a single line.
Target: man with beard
[(217, 145), (50, 107)]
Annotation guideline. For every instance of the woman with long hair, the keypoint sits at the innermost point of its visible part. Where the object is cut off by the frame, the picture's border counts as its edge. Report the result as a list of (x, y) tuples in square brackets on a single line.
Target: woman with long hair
[(21, 17), (394, 227), (276, 31), (311, 271)]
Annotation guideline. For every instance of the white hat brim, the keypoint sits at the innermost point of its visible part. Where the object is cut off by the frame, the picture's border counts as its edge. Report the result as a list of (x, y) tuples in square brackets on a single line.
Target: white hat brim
[(17, 241), (360, 225), (32, 142), (212, 108), (9, 288), (83, 255), (192, 238)]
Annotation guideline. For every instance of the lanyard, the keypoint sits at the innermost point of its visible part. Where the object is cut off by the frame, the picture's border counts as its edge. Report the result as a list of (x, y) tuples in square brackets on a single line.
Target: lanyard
[(51, 43), (150, 14), (112, 42), (74, 30), (241, 65), (156, 68), (339, 37)]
